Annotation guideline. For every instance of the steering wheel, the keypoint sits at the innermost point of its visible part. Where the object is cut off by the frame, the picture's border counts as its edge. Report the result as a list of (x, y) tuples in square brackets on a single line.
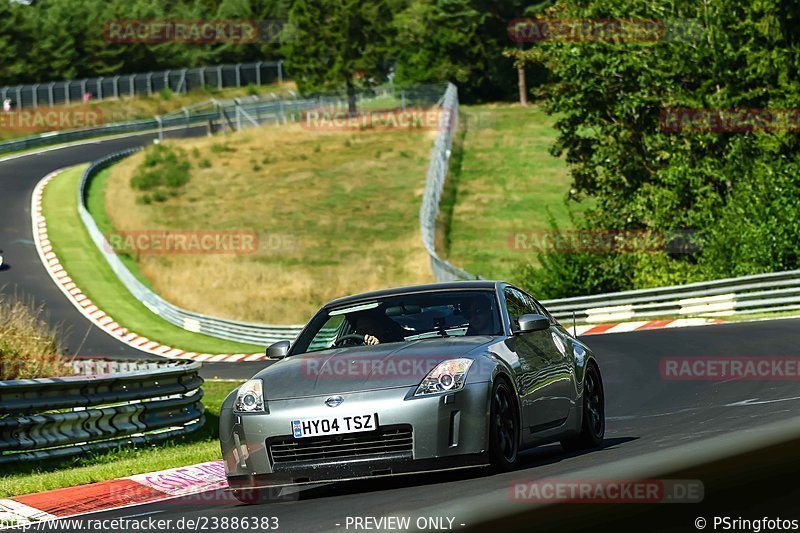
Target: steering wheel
[(352, 337)]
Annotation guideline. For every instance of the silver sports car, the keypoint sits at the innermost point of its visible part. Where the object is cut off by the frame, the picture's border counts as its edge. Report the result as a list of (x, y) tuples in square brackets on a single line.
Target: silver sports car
[(408, 380)]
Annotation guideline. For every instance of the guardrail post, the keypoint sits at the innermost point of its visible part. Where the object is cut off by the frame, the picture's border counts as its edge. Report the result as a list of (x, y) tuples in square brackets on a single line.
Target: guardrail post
[(160, 128)]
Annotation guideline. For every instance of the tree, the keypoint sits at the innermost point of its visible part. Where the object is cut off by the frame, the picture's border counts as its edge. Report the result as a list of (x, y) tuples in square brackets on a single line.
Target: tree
[(610, 97), (339, 42), (10, 40)]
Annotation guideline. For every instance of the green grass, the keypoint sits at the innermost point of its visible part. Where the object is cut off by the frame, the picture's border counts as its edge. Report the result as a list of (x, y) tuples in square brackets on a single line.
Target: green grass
[(90, 271), (503, 179), (201, 446), (335, 212)]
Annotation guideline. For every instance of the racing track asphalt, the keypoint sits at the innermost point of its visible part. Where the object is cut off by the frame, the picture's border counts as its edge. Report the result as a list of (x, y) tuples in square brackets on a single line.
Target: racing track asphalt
[(25, 275), (645, 414)]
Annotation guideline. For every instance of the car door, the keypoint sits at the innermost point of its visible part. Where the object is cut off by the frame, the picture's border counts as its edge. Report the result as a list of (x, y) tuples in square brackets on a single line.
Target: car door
[(540, 365), (564, 387)]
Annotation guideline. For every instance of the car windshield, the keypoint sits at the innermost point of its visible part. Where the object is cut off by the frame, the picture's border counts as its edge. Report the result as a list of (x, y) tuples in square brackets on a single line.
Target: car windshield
[(403, 318)]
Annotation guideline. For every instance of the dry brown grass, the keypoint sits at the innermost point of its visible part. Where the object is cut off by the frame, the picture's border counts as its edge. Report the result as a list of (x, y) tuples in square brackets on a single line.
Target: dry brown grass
[(336, 213), (29, 347)]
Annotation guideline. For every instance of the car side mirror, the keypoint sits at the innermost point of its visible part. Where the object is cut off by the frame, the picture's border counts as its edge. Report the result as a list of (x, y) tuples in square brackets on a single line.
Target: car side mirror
[(278, 350), (533, 322)]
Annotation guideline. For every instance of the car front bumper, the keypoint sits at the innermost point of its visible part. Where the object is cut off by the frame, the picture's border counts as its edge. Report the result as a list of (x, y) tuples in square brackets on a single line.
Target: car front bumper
[(447, 431)]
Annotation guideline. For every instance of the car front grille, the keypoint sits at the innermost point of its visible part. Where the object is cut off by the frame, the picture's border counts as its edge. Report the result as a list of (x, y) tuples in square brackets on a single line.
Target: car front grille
[(388, 440)]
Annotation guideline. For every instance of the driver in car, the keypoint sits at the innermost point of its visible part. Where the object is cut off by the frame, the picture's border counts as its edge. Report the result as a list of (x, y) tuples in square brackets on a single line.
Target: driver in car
[(376, 329)]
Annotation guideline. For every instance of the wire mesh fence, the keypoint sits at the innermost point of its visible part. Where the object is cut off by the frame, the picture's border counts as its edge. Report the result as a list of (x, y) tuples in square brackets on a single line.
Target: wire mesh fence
[(176, 80)]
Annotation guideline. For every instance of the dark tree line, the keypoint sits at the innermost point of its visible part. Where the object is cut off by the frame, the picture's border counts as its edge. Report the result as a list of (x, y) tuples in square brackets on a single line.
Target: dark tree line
[(327, 44)]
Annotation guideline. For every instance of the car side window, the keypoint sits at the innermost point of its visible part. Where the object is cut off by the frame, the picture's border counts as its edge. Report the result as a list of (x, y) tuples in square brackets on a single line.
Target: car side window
[(543, 311), (517, 305)]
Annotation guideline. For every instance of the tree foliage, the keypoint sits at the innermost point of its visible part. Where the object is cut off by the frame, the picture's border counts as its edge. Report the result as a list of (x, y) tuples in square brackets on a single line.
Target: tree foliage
[(734, 189)]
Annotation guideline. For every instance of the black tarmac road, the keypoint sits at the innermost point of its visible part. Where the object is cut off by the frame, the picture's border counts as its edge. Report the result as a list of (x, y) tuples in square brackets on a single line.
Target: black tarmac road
[(646, 413), (25, 276)]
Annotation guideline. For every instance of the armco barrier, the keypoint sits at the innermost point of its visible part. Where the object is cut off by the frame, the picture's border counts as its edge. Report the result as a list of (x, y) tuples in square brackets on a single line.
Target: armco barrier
[(244, 332), (222, 114), (59, 417), (736, 296), (763, 293)]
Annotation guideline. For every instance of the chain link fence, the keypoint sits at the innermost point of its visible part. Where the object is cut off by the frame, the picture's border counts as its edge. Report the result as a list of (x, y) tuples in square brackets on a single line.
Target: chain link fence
[(176, 80), (434, 185)]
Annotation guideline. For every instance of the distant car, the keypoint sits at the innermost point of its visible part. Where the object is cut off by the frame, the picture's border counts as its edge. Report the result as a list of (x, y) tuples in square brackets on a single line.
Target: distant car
[(410, 380)]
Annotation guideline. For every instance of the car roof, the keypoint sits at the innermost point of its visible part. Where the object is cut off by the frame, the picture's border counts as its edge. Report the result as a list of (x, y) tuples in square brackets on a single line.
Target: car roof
[(428, 287)]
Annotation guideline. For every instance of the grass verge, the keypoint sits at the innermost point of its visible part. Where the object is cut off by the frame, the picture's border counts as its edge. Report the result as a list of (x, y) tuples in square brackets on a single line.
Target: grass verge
[(90, 271), (334, 212), (199, 447), (503, 180)]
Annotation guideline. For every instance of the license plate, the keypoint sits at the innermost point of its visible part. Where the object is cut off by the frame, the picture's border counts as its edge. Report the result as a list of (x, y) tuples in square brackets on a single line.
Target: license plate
[(313, 427)]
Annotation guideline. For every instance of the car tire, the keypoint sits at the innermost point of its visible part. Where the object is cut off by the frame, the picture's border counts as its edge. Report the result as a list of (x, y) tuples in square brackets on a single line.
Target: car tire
[(593, 424), (503, 428)]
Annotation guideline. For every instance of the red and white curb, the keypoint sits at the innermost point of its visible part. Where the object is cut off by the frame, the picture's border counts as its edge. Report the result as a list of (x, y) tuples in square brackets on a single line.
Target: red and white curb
[(624, 327), (114, 494), (93, 313)]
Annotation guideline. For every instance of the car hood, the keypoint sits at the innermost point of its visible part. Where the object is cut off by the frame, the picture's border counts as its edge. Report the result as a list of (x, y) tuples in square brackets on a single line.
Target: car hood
[(361, 368)]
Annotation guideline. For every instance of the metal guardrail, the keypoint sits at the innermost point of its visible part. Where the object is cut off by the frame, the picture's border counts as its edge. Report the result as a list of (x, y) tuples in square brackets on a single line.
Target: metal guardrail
[(243, 332), (180, 80), (224, 114), (745, 295), (234, 114), (762, 293), (60, 417)]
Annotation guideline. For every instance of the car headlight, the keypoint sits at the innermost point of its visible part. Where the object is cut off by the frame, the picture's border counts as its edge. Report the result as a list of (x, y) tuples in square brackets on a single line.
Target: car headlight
[(447, 376), (250, 398)]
